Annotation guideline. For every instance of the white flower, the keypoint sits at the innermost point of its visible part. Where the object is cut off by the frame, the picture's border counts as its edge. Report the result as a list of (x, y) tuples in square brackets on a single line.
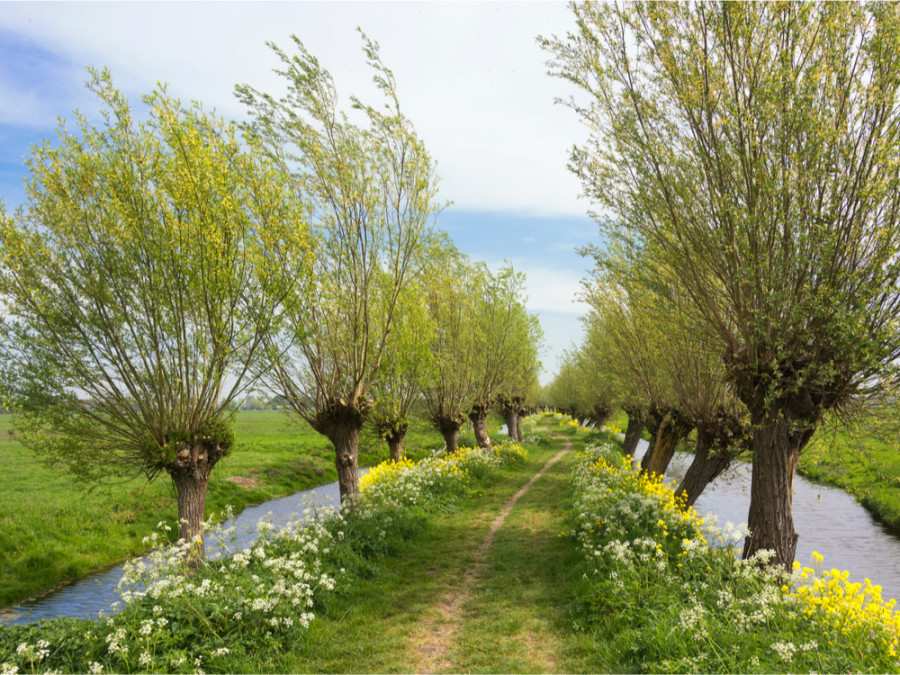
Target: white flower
[(95, 668), (8, 669), (145, 659), (221, 651), (785, 650)]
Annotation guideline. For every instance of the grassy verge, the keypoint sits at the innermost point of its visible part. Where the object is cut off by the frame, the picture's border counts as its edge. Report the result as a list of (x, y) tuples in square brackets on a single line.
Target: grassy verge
[(367, 575), (864, 464), (54, 530)]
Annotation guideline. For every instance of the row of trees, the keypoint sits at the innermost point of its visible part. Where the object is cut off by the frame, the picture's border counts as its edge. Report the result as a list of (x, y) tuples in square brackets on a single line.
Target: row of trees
[(160, 269), (747, 158)]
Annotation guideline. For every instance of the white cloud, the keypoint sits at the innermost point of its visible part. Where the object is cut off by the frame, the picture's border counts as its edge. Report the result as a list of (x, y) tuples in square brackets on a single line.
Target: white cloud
[(470, 74), (554, 290)]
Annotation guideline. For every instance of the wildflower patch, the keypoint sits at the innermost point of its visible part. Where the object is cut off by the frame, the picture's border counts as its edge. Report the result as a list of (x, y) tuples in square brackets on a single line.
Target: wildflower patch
[(664, 589)]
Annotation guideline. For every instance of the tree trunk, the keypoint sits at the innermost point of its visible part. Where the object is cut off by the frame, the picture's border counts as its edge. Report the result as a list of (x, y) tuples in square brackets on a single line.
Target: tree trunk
[(449, 429), (663, 449), (345, 438), (191, 492), (395, 442), (599, 414), (478, 415), (341, 423), (520, 437), (512, 423), (190, 472), (771, 519), (705, 467), (632, 435), (654, 421)]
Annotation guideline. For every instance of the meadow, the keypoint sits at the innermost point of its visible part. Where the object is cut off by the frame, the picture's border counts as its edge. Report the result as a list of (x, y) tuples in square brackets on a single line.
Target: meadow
[(54, 529)]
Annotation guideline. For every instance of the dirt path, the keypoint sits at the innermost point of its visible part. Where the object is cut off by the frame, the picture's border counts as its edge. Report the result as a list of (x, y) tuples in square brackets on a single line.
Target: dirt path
[(436, 637)]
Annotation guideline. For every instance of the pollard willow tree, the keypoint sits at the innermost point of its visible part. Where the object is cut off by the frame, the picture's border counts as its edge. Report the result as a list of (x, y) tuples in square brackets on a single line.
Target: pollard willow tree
[(372, 191), (447, 396), (519, 385), (406, 366), (138, 282), (757, 145), (503, 330)]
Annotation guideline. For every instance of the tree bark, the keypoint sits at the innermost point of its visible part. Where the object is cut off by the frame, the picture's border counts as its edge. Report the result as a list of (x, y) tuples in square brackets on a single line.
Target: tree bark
[(449, 428), (599, 414), (191, 493), (654, 421), (512, 423), (190, 472), (520, 437), (708, 463), (341, 423), (395, 442), (663, 449), (771, 518), (632, 434), (345, 438), (478, 415)]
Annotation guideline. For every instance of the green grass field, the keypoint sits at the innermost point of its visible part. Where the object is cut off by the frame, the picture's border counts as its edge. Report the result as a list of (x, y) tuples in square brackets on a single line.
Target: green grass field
[(54, 529), (865, 462)]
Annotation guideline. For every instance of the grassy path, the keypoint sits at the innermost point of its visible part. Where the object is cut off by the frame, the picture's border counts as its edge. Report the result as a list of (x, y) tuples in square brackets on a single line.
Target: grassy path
[(436, 647), (480, 590)]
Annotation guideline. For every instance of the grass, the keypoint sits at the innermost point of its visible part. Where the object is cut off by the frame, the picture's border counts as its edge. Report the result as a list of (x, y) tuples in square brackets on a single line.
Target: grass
[(54, 529), (369, 623), (864, 461), (600, 573)]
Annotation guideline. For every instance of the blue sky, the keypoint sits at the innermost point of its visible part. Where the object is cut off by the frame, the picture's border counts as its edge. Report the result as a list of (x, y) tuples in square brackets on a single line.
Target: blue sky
[(470, 75)]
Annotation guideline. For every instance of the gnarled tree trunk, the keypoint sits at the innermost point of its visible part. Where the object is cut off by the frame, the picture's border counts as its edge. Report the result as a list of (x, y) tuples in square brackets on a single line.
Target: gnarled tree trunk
[(511, 416), (776, 445), (520, 436), (341, 423), (632, 434), (190, 474), (708, 463), (478, 415), (395, 442), (449, 428), (672, 429), (599, 414)]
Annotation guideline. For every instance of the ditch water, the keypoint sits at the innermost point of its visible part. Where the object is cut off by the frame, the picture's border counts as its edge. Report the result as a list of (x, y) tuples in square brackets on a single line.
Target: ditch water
[(828, 520), (87, 597)]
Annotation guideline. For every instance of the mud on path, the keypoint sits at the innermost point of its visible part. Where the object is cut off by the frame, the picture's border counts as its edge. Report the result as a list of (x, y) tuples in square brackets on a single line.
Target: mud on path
[(435, 638)]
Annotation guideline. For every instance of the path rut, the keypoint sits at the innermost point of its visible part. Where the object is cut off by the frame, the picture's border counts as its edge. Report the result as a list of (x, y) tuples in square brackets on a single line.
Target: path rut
[(436, 637)]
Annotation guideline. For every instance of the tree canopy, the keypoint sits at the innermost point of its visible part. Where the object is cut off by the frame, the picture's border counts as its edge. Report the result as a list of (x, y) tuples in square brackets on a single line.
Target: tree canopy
[(138, 282), (755, 146)]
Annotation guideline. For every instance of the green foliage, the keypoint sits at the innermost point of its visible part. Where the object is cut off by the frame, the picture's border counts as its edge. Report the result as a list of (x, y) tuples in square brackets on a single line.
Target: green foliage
[(763, 181), (138, 281), (373, 195)]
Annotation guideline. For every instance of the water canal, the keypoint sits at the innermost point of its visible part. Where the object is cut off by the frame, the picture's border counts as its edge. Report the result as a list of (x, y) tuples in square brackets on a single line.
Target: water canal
[(87, 597)]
